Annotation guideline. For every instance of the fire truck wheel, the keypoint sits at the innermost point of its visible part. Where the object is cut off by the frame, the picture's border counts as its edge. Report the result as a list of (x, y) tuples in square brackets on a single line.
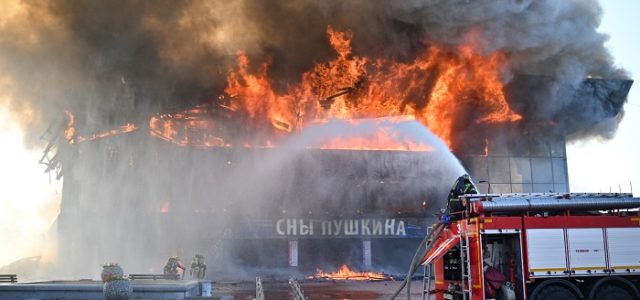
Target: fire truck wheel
[(612, 292), (555, 292)]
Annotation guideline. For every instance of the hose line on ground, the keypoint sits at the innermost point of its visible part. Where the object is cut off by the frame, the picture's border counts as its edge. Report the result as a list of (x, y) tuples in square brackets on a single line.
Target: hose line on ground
[(415, 262)]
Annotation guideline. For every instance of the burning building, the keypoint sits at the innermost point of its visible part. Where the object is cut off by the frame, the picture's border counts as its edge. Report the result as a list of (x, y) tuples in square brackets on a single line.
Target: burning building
[(302, 143), (359, 192), (266, 204)]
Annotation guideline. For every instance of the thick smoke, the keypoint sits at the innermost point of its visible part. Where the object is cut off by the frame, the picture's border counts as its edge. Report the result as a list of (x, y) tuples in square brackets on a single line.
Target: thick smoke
[(121, 61), (113, 62)]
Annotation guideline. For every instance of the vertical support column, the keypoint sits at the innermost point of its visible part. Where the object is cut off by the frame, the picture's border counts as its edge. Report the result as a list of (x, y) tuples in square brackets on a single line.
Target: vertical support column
[(293, 253), (366, 254)]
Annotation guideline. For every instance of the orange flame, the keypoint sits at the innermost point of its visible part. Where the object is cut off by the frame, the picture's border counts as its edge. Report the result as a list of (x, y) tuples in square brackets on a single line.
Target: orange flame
[(344, 273), (442, 88), (72, 138), (434, 88), (253, 94), (126, 128), (70, 131), (187, 128)]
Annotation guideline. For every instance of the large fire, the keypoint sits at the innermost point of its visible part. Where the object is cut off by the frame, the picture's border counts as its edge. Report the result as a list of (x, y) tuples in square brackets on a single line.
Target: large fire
[(438, 88), (433, 88), (344, 273)]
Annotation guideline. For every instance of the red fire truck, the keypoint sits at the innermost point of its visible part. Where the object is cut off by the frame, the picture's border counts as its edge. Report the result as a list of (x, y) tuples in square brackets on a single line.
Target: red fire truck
[(537, 247)]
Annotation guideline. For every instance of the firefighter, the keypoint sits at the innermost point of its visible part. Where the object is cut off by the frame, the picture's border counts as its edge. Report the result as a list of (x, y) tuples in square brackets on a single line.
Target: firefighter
[(172, 266), (462, 186), (198, 267)]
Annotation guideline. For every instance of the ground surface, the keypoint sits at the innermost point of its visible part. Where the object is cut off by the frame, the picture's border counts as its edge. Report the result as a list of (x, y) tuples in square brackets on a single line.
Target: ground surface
[(351, 290)]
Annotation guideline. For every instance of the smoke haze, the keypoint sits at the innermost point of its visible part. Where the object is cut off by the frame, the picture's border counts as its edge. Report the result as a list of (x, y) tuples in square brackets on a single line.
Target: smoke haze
[(122, 61), (114, 62)]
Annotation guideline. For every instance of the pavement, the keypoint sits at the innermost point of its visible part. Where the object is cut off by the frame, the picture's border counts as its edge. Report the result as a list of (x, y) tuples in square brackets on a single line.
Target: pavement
[(344, 290)]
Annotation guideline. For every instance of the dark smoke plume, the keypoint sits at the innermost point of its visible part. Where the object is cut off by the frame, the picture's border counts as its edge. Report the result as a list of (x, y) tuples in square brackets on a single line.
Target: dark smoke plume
[(120, 61), (138, 200)]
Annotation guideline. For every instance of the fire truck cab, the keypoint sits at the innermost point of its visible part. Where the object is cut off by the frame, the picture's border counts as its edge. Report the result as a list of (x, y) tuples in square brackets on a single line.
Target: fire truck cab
[(538, 247)]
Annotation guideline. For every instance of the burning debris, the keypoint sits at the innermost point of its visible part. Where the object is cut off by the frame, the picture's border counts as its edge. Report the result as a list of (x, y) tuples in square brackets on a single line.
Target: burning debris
[(345, 273), (195, 128)]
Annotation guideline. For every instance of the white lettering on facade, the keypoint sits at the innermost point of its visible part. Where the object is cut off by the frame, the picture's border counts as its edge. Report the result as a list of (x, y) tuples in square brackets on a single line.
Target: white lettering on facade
[(345, 227), (306, 229), (337, 226), (389, 226), (352, 228), (279, 226), (291, 227), (326, 227), (401, 230), (377, 227), (365, 227)]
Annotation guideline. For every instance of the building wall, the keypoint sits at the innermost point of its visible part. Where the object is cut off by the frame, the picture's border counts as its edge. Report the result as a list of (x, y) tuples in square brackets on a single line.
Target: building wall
[(137, 200), (538, 165)]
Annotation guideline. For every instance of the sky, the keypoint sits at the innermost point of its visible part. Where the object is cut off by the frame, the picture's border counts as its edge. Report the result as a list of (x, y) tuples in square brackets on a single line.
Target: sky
[(594, 165), (29, 203), (603, 166)]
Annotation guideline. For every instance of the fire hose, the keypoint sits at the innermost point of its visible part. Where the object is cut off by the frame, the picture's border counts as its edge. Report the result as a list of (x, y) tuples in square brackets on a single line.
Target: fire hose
[(259, 289), (422, 250), (297, 291), (462, 186)]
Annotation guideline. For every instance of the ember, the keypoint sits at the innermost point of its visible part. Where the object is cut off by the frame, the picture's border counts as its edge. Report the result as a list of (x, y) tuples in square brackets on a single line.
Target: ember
[(344, 273)]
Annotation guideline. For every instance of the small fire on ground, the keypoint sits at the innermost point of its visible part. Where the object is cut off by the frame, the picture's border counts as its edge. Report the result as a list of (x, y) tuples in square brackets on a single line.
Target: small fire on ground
[(344, 273)]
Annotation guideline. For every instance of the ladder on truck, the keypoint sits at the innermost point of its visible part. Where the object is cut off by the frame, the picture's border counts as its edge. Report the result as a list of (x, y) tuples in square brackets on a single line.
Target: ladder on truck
[(426, 279), (465, 266), (426, 283)]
